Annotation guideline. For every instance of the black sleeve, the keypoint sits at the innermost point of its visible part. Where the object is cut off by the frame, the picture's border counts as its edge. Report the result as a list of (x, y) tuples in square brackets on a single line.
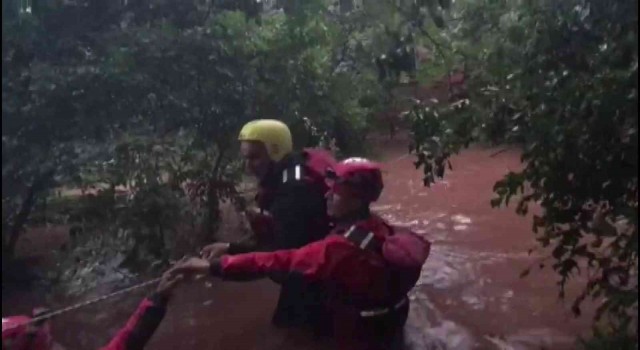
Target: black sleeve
[(148, 323)]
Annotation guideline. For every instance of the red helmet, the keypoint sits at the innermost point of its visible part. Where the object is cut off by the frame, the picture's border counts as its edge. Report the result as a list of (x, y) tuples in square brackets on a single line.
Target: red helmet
[(356, 176)]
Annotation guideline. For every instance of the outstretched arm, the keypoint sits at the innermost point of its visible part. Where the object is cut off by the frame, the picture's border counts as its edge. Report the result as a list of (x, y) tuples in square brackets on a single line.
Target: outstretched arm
[(146, 319), (316, 261), (140, 326)]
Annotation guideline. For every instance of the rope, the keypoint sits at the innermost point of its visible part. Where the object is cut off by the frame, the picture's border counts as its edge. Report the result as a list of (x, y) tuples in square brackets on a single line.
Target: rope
[(86, 303)]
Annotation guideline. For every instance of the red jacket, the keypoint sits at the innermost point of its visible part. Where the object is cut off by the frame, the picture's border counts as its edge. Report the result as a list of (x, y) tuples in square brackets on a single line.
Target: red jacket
[(133, 336), (140, 326), (349, 270), (360, 280), (333, 259)]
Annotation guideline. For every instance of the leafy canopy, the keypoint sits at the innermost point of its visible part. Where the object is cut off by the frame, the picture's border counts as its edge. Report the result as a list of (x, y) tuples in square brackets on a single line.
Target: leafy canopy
[(560, 79)]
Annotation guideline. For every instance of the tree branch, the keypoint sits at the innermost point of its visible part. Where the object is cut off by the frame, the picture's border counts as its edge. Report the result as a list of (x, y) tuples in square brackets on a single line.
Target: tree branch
[(38, 185)]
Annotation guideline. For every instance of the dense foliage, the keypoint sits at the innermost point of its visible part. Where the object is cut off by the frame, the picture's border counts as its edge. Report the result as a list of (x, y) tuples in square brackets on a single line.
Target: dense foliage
[(142, 101), (559, 78)]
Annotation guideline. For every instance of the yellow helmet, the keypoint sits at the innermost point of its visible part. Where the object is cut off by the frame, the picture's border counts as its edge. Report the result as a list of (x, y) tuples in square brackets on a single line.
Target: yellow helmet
[(275, 135)]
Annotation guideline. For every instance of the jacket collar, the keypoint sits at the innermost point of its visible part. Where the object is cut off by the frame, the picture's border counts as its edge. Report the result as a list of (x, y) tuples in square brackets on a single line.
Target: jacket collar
[(351, 219)]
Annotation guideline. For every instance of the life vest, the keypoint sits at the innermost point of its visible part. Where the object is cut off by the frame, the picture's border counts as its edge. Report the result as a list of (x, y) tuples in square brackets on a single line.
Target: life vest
[(396, 256), (402, 250), (309, 166)]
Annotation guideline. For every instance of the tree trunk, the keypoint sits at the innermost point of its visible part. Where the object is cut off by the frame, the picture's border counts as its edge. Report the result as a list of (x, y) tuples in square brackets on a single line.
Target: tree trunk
[(213, 210), (38, 185), (213, 200)]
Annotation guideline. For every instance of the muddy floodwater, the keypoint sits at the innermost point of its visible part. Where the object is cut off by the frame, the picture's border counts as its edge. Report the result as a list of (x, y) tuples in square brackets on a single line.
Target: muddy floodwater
[(470, 295)]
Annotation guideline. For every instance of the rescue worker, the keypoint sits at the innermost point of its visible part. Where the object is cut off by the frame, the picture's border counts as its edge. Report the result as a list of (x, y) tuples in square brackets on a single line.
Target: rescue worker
[(367, 265), (292, 213), (16, 335)]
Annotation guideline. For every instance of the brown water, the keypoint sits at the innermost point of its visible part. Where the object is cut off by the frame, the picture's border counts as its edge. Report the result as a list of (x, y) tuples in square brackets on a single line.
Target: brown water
[(470, 295)]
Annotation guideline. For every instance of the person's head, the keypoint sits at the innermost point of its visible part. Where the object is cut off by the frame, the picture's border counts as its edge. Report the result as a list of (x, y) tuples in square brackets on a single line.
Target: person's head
[(353, 184), (262, 143)]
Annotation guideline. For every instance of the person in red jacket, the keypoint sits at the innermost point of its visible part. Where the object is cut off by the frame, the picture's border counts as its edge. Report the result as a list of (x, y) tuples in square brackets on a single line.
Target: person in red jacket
[(367, 265), (18, 334)]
